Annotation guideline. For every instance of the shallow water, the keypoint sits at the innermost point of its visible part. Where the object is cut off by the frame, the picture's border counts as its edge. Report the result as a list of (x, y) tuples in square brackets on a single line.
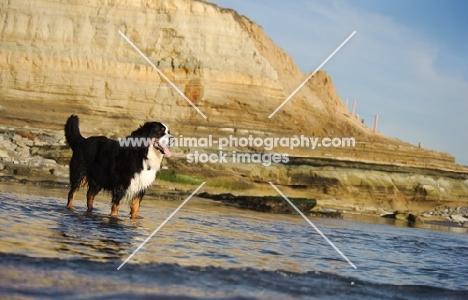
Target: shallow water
[(212, 251)]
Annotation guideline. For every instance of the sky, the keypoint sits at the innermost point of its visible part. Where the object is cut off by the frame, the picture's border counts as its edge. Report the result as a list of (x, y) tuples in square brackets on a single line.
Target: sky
[(407, 62)]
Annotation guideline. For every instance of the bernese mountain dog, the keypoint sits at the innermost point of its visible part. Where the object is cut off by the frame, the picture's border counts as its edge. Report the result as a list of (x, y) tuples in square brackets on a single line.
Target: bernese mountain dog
[(125, 170)]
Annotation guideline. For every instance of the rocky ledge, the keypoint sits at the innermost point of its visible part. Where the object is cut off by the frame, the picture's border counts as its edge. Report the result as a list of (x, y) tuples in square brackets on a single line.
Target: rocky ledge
[(31, 155), (270, 204), (455, 214)]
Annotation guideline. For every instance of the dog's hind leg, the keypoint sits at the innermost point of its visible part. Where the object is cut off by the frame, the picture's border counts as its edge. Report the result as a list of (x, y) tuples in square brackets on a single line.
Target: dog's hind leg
[(93, 190), (75, 186)]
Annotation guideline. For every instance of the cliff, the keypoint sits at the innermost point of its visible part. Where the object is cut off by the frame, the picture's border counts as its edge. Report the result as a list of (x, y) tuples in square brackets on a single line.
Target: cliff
[(66, 57)]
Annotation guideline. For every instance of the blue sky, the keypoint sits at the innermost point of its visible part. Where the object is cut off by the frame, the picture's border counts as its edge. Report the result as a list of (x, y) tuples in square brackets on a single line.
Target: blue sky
[(408, 61)]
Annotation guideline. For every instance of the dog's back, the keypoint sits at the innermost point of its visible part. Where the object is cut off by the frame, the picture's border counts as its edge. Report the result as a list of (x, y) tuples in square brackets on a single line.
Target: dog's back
[(93, 158)]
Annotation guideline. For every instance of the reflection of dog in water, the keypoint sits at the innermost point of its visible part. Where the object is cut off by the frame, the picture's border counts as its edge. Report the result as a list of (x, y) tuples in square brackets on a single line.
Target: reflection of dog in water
[(126, 172)]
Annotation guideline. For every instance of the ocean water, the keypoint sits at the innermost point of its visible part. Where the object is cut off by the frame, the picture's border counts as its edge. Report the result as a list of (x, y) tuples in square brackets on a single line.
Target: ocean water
[(209, 251)]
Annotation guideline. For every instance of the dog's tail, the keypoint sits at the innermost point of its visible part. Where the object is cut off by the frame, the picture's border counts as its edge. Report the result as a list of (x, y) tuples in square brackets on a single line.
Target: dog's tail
[(72, 131)]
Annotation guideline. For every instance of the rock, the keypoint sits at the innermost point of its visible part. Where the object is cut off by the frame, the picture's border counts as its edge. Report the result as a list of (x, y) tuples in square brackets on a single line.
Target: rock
[(3, 153), (272, 204), (8, 159), (38, 143), (401, 216), (59, 153), (404, 216), (23, 151), (36, 161), (28, 143), (17, 138), (428, 188), (327, 214), (49, 163), (414, 219), (458, 218), (6, 144)]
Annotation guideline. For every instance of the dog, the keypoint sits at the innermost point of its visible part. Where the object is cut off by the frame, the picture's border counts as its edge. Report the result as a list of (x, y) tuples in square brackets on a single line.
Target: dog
[(124, 170)]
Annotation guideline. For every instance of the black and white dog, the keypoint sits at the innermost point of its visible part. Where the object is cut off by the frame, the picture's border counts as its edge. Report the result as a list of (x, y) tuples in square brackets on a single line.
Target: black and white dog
[(125, 170)]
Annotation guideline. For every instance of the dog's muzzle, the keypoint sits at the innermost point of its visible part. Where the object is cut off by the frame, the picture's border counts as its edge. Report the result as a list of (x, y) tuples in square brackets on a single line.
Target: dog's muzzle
[(164, 143)]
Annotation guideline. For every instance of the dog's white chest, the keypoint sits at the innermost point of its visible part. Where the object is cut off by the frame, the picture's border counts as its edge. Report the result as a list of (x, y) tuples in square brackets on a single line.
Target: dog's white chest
[(141, 181)]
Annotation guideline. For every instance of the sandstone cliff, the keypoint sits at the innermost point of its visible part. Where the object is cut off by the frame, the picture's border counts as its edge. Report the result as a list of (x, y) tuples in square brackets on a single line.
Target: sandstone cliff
[(66, 57)]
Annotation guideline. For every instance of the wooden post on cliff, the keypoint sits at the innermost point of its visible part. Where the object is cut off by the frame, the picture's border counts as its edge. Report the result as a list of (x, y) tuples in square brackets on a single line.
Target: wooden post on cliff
[(347, 109), (354, 107), (376, 123)]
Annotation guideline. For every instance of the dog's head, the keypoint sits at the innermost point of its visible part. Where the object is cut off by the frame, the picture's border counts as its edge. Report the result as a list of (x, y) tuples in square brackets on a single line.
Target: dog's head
[(159, 135)]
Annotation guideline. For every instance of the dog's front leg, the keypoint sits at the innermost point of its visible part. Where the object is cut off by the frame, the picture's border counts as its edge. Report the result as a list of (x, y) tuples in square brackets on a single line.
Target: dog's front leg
[(117, 195), (135, 205), (115, 210)]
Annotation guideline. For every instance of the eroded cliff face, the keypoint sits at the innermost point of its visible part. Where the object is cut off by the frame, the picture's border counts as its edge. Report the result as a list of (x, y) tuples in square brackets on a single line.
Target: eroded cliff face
[(67, 57)]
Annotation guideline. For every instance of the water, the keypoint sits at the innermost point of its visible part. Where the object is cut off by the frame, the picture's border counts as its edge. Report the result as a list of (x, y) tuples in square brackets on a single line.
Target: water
[(216, 252)]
